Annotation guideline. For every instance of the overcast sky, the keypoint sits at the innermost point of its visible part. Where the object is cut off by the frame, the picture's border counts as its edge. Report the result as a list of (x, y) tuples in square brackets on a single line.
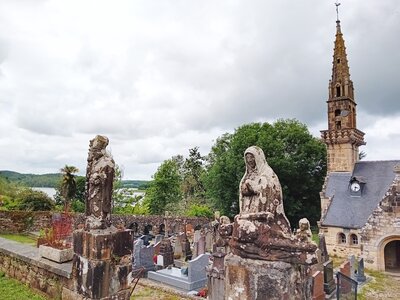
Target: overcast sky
[(160, 77)]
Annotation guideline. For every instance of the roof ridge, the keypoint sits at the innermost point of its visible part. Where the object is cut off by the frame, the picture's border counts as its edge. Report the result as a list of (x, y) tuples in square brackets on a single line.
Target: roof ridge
[(367, 161)]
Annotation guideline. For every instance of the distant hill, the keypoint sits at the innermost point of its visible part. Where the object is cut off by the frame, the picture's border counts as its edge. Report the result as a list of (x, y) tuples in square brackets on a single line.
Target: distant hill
[(139, 184), (52, 180), (44, 180)]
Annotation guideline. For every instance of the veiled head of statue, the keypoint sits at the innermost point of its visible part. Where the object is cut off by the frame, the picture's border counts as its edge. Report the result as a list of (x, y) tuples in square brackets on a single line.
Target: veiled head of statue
[(255, 159)]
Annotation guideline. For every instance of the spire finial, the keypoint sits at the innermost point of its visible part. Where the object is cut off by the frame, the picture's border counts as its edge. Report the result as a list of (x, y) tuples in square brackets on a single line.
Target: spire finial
[(337, 10)]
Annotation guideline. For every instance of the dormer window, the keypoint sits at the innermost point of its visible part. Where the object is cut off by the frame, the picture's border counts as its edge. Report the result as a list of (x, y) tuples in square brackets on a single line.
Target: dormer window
[(356, 186), (338, 60)]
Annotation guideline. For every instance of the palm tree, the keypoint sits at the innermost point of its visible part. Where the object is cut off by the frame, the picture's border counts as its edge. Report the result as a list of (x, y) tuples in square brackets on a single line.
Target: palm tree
[(68, 184)]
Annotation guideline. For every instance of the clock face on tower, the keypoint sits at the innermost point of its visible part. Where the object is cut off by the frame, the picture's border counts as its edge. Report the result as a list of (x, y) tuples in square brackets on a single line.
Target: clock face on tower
[(355, 187)]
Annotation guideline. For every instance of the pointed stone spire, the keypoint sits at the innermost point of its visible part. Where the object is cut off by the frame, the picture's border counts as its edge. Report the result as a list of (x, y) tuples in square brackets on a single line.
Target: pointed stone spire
[(342, 137), (340, 85)]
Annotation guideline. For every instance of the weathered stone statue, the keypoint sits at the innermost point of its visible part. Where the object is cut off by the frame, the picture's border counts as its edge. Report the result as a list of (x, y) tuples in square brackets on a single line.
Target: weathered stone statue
[(266, 260), (261, 230), (260, 189), (99, 183), (102, 253)]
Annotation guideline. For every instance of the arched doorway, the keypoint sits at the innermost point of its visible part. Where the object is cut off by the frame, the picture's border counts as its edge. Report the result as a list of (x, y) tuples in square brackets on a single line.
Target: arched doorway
[(392, 256)]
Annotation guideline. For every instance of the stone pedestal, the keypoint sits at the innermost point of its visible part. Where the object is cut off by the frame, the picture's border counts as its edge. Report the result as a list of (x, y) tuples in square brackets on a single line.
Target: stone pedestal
[(216, 277), (249, 279), (101, 263)]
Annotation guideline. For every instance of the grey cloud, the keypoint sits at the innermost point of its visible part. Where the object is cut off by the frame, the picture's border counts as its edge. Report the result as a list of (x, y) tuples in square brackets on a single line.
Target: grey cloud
[(160, 78)]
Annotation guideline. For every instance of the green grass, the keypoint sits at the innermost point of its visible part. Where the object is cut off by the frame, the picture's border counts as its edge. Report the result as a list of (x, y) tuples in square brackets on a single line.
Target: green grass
[(11, 289), (377, 284), (21, 238)]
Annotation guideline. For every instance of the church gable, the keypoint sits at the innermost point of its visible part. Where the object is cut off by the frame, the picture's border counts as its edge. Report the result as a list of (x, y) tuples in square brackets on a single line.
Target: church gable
[(383, 229)]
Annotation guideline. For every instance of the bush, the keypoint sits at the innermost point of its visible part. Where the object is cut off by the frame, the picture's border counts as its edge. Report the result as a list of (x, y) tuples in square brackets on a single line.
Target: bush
[(31, 200), (199, 210), (78, 206)]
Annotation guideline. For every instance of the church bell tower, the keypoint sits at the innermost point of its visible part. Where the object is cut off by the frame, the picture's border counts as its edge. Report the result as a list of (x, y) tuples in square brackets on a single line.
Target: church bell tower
[(342, 137)]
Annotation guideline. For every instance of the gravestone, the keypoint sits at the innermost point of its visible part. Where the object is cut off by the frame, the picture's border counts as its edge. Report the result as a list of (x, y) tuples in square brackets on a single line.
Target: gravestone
[(329, 281), (157, 248), (322, 247), (102, 253), (201, 245), (196, 237), (352, 261), (186, 251), (209, 241), (178, 247), (318, 286), (345, 269), (194, 279), (167, 252), (158, 238), (360, 276), (146, 239), (143, 256)]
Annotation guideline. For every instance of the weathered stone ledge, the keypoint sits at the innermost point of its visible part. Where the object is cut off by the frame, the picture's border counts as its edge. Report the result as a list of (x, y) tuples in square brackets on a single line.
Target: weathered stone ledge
[(30, 255)]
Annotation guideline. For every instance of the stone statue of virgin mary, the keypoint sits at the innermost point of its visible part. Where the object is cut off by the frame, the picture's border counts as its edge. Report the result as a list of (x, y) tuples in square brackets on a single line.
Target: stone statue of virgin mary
[(260, 189)]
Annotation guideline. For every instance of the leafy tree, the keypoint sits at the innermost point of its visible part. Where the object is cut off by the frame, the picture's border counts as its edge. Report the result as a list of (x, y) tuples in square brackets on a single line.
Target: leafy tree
[(68, 184), (31, 200), (192, 171), (80, 188), (125, 199), (165, 188), (296, 156)]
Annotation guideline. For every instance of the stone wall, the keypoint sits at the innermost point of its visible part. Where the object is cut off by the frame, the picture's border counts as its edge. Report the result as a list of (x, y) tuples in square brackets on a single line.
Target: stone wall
[(334, 244), (31, 270), (20, 221), (382, 227), (23, 221)]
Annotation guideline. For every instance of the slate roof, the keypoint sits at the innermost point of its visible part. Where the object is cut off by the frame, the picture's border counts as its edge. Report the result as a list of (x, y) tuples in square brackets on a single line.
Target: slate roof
[(349, 211)]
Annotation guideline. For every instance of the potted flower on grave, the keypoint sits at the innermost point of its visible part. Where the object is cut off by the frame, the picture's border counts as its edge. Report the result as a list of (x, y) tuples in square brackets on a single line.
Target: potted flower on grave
[(55, 243)]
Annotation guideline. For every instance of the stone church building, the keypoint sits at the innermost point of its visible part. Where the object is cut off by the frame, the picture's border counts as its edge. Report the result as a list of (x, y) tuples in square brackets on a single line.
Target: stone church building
[(360, 200)]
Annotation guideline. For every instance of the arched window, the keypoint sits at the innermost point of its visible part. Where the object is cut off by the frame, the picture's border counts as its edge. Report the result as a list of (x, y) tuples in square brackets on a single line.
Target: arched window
[(341, 238), (337, 112), (338, 91), (354, 239)]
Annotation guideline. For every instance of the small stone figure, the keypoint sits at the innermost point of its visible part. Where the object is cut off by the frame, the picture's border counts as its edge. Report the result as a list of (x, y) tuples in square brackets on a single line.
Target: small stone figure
[(224, 234), (304, 234), (99, 183)]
